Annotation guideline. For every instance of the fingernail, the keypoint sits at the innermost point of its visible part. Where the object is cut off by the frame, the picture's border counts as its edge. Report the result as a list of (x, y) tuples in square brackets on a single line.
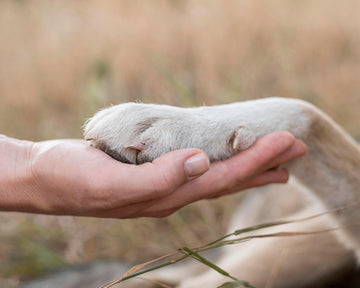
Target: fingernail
[(196, 165)]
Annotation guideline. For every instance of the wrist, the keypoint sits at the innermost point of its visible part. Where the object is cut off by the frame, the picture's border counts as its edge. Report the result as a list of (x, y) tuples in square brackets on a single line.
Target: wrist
[(15, 174)]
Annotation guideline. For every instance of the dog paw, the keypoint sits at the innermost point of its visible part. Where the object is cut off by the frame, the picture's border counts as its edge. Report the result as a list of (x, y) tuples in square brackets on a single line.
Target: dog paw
[(137, 133)]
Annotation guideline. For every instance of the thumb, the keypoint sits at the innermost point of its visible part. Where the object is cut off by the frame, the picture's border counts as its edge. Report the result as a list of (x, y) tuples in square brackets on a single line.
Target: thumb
[(175, 168), (188, 163)]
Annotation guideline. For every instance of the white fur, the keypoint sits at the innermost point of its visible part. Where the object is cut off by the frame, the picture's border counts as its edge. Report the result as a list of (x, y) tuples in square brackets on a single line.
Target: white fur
[(330, 173)]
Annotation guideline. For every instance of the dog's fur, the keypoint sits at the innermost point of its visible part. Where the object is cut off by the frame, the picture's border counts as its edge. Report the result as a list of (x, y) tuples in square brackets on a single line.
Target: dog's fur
[(328, 174)]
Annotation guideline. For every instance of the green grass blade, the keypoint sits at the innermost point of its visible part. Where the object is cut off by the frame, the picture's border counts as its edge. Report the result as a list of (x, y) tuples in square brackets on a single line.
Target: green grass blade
[(213, 266), (234, 284)]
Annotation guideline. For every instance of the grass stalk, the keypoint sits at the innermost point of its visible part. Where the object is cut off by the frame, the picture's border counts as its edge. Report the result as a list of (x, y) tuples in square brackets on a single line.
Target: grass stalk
[(186, 252)]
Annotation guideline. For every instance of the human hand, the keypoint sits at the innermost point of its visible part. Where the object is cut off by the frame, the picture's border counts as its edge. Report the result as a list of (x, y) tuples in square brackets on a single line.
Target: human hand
[(67, 177)]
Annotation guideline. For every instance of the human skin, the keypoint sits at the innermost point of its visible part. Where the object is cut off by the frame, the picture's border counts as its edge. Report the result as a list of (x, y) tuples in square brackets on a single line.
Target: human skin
[(68, 177)]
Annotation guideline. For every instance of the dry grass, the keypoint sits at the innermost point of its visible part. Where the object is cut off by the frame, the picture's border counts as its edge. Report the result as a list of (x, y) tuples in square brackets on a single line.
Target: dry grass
[(62, 60)]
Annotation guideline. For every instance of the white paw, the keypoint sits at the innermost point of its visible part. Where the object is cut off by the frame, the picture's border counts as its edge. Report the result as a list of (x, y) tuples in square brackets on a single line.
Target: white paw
[(137, 133)]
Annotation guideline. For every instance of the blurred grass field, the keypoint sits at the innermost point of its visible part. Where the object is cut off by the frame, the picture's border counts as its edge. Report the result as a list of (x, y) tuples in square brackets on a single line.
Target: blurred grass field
[(60, 61)]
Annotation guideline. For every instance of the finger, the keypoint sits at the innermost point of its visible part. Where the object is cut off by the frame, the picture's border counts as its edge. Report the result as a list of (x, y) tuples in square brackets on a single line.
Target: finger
[(268, 177), (256, 159), (271, 175), (234, 171), (295, 151)]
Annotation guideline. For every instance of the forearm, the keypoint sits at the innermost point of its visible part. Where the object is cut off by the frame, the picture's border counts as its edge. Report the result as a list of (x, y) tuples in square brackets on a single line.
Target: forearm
[(15, 174)]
